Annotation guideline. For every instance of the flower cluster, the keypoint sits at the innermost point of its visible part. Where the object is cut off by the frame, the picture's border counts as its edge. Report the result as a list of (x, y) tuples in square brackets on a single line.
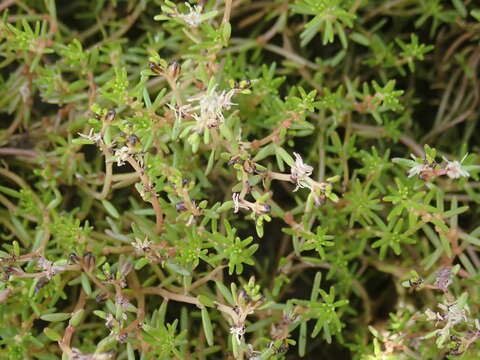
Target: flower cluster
[(92, 136), (427, 170), (454, 169), (49, 268), (78, 355), (444, 278), (257, 207), (142, 246), (238, 331), (193, 17), (122, 154), (208, 111), (419, 169), (452, 313), (300, 172)]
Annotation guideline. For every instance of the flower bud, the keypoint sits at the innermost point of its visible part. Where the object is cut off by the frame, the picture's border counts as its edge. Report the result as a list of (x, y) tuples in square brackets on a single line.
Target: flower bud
[(264, 208), (243, 84), (125, 268), (122, 337), (234, 160), (110, 115), (73, 258), (320, 199), (88, 261), (110, 323), (11, 270), (101, 297), (242, 294), (180, 206), (248, 166), (173, 70), (40, 284), (155, 68), (133, 140), (282, 348)]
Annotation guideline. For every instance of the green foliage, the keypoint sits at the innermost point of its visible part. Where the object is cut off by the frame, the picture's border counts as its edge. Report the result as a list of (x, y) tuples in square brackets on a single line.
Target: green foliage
[(329, 18), (239, 179)]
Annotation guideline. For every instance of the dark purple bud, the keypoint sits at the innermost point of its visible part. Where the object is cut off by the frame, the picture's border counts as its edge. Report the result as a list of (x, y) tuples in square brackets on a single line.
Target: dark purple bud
[(234, 160), (174, 69), (416, 283), (40, 284), (110, 115), (155, 68), (264, 208), (73, 258), (180, 206), (122, 338), (89, 261), (133, 140), (101, 297), (282, 348), (125, 268)]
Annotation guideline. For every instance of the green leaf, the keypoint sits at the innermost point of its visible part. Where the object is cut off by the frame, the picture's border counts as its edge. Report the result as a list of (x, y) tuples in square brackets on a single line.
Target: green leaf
[(302, 339), (206, 301), (52, 334), (86, 284), (225, 292), (207, 326), (77, 317), (55, 317), (110, 209)]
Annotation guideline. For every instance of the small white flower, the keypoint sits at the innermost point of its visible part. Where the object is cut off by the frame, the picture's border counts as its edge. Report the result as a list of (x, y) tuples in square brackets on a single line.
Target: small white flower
[(193, 18), (181, 111), (92, 136), (300, 172), (123, 303), (456, 314), (142, 246), (237, 202), (25, 92), (454, 169), (110, 321), (50, 269), (453, 313), (418, 169), (252, 354), (78, 355), (209, 110), (433, 316), (237, 331), (122, 155)]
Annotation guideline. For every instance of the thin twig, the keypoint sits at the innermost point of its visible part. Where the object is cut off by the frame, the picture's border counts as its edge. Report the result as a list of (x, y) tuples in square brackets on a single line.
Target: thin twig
[(211, 276), (18, 152), (147, 184), (6, 3), (227, 11), (377, 131)]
